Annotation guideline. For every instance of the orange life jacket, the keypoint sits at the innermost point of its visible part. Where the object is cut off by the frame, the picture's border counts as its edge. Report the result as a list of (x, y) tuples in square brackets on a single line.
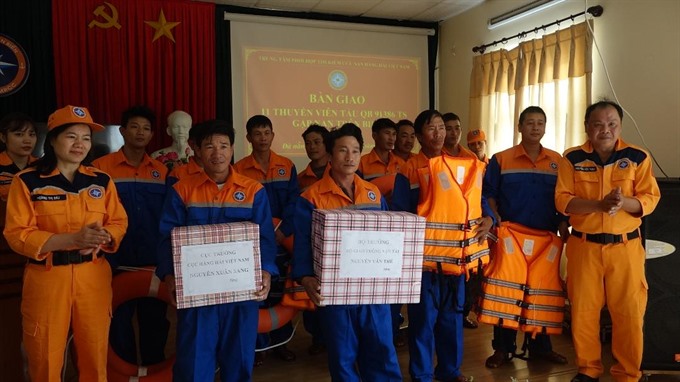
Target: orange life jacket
[(451, 202), (521, 287)]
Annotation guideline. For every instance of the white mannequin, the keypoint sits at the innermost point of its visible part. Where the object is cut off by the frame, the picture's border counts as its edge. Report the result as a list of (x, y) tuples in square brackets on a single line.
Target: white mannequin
[(179, 123)]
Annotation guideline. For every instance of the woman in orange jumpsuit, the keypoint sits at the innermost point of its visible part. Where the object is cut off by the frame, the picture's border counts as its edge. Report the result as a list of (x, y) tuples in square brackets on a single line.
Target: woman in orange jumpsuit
[(61, 215)]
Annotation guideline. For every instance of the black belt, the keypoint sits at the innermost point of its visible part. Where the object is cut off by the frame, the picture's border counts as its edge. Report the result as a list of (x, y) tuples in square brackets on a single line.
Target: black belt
[(606, 238), (65, 258)]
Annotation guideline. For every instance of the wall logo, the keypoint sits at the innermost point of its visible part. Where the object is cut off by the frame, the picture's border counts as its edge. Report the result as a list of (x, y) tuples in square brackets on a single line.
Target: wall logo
[(14, 66), (337, 79)]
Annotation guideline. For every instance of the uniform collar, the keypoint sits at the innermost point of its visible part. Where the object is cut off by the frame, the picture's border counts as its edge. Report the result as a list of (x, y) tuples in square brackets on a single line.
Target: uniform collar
[(327, 185), (588, 146), (233, 179), (521, 151), (120, 158), (373, 157), (250, 162), (85, 170)]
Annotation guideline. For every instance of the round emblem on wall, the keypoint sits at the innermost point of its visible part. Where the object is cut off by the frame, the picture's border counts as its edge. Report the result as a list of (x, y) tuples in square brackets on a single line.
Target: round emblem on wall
[(14, 67), (337, 79)]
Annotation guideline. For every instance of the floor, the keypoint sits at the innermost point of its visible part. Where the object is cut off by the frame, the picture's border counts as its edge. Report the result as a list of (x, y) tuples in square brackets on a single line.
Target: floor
[(477, 345)]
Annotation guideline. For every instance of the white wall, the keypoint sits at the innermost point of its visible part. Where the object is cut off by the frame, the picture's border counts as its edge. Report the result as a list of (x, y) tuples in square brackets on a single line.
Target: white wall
[(640, 43)]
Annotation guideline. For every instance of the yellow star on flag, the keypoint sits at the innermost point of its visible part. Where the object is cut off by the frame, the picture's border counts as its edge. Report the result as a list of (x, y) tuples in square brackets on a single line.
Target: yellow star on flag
[(162, 27)]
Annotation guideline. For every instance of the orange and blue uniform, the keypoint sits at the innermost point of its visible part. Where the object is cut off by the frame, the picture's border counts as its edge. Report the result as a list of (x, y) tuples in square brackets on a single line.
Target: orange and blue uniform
[(355, 334), (308, 176), (281, 183), (310, 319), (436, 323), (7, 171), (524, 191), (225, 333), (382, 174), (64, 289), (606, 260), (142, 191), (184, 171)]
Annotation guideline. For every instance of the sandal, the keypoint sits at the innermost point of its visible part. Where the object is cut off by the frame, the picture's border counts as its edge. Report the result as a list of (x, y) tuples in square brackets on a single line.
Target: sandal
[(497, 359), (469, 323)]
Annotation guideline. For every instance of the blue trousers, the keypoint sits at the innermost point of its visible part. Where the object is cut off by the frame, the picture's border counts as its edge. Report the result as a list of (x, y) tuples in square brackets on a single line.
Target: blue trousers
[(359, 343), (312, 323), (436, 325), (505, 339), (153, 330), (218, 334)]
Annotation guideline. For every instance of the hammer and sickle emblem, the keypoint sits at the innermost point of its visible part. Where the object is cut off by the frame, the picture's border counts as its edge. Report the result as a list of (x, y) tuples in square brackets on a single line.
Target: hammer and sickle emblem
[(111, 18)]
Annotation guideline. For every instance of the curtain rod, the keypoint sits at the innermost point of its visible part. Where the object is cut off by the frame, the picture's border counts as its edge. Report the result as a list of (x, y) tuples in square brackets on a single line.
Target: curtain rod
[(595, 10)]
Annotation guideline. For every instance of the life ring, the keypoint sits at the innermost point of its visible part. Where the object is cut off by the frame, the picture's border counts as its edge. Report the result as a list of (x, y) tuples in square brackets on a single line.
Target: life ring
[(128, 286), (274, 317)]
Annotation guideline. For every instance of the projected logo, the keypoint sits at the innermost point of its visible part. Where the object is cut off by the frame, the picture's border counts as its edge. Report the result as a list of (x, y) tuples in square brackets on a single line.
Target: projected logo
[(337, 79), (13, 66)]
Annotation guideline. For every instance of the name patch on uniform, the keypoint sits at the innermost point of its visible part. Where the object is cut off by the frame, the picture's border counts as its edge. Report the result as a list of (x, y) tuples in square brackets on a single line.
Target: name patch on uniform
[(585, 168), (95, 192), (239, 196), (371, 195), (47, 198), (5, 182)]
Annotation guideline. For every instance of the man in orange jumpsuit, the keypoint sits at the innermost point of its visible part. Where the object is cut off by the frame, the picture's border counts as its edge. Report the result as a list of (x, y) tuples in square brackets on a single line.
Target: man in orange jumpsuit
[(606, 186)]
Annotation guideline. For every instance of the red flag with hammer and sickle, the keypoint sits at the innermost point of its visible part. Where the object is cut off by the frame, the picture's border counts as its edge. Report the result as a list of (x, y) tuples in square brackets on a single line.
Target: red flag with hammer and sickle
[(110, 55)]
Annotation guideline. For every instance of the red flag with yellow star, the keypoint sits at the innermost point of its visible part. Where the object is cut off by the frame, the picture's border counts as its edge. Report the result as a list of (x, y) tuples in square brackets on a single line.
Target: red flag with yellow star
[(113, 54)]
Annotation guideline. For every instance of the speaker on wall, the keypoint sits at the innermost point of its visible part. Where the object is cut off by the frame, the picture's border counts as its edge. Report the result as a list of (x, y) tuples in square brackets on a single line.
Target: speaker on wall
[(662, 327)]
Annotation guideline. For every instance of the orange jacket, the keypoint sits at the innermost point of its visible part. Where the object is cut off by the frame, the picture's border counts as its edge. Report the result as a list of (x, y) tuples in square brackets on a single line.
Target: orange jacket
[(43, 205), (307, 177), (184, 171), (371, 166), (449, 239), (521, 287)]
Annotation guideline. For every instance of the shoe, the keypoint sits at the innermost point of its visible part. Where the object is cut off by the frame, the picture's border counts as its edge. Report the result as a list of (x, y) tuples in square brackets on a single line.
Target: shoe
[(460, 378), (551, 356), (259, 358), (468, 323), (400, 340), (497, 359), (584, 378), (316, 349), (284, 353)]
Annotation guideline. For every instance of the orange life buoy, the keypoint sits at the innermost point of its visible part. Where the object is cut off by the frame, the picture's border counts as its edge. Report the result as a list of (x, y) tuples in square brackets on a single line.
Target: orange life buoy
[(128, 286), (274, 317)]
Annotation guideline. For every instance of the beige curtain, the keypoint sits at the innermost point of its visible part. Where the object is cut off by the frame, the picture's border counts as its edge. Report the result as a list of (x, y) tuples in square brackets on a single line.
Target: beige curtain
[(553, 72)]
